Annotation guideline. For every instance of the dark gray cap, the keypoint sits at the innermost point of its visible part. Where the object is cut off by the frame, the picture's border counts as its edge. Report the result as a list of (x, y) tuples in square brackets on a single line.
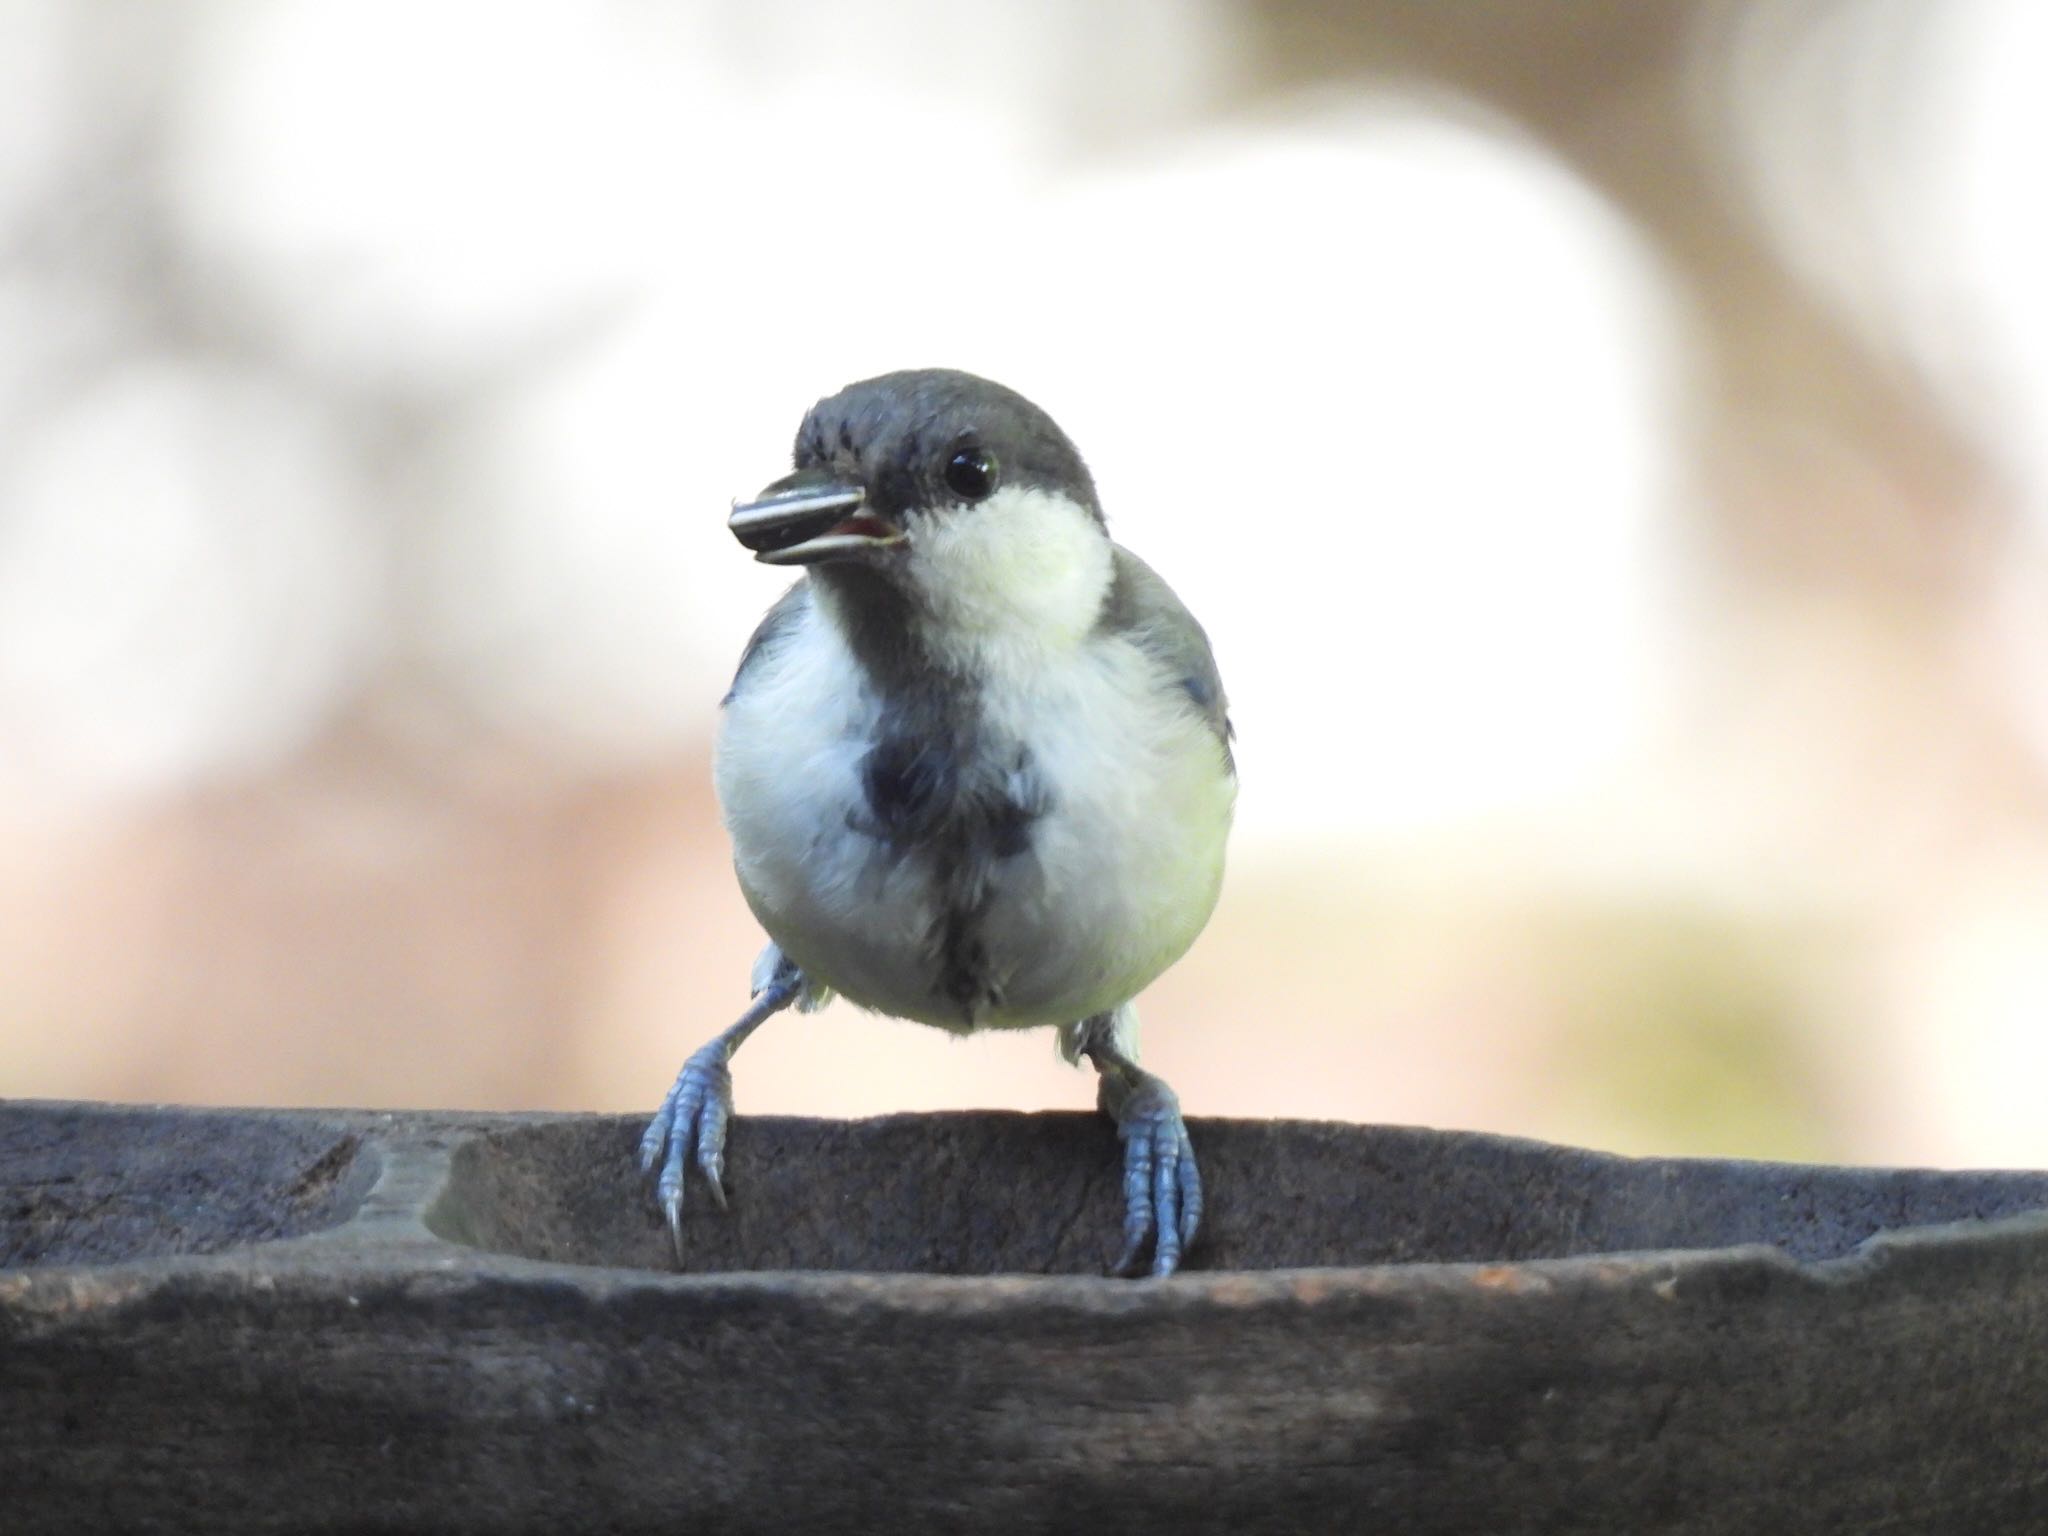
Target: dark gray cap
[(897, 433)]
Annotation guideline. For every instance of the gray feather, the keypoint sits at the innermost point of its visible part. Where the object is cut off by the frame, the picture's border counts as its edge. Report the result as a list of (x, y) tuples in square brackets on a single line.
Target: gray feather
[(1144, 609), (780, 621)]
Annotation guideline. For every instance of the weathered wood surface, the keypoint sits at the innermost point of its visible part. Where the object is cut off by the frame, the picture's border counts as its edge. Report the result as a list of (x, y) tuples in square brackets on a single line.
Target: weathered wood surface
[(324, 1321)]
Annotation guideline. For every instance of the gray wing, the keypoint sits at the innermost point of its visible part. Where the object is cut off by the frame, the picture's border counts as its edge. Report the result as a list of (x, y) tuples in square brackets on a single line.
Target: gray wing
[(1144, 609), (780, 621)]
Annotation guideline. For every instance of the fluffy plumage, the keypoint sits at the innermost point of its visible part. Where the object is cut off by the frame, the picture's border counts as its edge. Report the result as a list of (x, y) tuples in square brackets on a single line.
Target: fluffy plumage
[(975, 763), (1032, 827)]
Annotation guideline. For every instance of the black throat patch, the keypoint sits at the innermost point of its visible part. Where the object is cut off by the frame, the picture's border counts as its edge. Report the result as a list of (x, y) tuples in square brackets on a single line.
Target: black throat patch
[(938, 786), (938, 790)]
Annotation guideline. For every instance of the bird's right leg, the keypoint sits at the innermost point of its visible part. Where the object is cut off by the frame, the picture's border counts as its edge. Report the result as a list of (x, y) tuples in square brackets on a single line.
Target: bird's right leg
[(699, 1107)]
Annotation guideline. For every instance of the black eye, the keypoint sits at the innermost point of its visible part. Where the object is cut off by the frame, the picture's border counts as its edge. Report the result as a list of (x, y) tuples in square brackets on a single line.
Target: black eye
[(971, 474)]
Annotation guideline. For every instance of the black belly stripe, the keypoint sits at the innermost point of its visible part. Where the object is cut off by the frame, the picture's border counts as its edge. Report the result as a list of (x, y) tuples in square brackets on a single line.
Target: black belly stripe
[(960, 810)]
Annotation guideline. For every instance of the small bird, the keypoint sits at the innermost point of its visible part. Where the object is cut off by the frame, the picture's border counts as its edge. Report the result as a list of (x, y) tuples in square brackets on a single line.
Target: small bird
[(975, 765)]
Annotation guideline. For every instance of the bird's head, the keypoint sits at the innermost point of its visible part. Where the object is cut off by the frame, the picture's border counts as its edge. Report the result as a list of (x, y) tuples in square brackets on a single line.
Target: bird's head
[(954, 490), (890, 459)]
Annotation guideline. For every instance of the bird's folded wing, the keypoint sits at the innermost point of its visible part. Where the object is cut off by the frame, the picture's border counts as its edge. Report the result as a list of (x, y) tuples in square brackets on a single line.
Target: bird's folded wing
[(1143, 609)]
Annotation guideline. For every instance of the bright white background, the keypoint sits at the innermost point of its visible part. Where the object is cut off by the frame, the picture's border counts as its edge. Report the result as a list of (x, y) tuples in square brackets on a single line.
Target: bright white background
[(1615, 490)]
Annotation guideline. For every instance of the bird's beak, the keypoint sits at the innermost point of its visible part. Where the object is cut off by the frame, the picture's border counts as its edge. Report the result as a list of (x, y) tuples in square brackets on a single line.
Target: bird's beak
[(810, 516)]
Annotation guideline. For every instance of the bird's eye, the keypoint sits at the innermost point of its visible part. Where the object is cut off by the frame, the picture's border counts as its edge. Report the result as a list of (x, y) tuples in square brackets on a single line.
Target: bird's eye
[(971, 474)]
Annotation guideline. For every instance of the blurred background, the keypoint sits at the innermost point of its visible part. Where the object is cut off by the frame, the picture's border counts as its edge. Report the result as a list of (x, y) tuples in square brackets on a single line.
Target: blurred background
[(1608, 445)]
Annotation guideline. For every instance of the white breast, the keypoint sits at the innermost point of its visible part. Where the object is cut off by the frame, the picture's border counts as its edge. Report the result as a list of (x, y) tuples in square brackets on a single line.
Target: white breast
[(1121, 872), (1124, 870)]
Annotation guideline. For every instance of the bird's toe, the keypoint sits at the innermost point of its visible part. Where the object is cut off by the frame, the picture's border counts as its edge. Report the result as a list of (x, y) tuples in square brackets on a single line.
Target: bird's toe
[(1162, 1186), (691, 1120)]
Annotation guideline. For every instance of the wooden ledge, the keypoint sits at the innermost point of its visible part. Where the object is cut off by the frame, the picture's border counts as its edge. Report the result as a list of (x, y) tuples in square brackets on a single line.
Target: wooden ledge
[(313, 1320)]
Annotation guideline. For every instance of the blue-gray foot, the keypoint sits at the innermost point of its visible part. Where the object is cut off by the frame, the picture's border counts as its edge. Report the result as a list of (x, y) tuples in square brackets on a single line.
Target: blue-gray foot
[(694, 1116), (1162, 1186)]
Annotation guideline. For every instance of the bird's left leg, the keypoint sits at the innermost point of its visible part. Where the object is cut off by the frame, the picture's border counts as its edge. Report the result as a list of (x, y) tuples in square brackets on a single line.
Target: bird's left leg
[(1162, 1186), (699, 1106)]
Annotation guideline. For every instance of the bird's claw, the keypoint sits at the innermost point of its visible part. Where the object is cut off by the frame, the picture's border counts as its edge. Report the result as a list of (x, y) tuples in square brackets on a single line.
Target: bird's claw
[(1162, 1186), (693, 1117)]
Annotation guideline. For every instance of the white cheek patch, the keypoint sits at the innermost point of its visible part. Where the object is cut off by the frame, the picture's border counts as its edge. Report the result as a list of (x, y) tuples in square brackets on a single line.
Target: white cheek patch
[(1023, 567)]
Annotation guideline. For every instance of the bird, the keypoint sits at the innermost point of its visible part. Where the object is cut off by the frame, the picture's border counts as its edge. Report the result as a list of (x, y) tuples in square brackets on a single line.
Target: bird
[(976, 765)]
